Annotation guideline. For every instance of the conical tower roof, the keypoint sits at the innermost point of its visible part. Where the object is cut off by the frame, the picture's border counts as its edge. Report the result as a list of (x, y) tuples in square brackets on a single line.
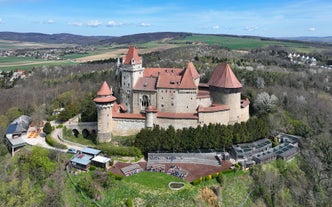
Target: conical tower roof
[(224, 77), (187, 80), (104, 95), (193, 70), (132, 55)]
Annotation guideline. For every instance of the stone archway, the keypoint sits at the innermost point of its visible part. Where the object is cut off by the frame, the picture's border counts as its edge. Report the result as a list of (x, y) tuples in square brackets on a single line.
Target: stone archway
[(85, 133), (75, 132)]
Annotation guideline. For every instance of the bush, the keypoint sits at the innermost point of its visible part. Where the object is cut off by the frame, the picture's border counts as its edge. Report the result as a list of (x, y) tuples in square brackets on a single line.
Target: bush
[(47, 128), (129, 202), (92, 168), (49, 140), (197, 181), (220, 179), (228, 171), (59, 126)]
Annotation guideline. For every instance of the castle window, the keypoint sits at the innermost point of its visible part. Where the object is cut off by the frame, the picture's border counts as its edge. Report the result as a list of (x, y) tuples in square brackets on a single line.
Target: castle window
[(162, 105)]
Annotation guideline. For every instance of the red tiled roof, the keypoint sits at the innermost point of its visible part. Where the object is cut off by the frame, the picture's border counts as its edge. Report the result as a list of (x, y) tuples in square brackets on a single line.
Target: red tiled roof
[(212, 108), (245, 103), (146, 84), (151, 109), (168, 81), (104, 95), (203, 94), (128, 116), (104, 90), (132, 54), (104, 99), (187, 81), (154, 72), (223, 77), (193, 70), (171, 115), (119, 107)]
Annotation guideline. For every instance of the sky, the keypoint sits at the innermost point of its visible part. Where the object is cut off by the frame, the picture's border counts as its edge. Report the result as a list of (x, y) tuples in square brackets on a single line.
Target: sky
[(265, 18)]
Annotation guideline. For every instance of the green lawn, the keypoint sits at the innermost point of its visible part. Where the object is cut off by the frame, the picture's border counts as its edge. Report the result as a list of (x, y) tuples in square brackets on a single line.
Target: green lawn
[(236, 188)]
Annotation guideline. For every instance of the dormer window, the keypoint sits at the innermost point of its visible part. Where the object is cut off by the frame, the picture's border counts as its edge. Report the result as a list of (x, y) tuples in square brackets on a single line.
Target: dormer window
[(133, 61)]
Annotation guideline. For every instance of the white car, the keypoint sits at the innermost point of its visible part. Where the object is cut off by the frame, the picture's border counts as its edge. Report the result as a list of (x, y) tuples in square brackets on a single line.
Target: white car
[(72, 151)]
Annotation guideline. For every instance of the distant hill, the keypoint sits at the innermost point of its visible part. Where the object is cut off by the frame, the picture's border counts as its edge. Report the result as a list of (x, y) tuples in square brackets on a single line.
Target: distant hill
[(327, 39), (52, 38), (145, 37)]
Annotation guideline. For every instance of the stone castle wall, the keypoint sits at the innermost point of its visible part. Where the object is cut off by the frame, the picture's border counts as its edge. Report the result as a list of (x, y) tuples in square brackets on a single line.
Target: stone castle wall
[(177, 123), (221, 117), (244, 114), (125, 127)]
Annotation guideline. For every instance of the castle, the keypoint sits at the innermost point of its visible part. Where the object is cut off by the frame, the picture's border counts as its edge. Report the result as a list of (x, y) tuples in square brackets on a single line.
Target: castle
[(167, 96)]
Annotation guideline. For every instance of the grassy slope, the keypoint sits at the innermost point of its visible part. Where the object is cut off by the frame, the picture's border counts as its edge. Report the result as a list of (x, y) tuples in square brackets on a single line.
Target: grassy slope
[(242, 43)]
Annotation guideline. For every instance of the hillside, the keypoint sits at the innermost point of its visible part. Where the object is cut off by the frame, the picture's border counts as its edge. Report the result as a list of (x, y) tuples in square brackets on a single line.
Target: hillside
[(51, 38)]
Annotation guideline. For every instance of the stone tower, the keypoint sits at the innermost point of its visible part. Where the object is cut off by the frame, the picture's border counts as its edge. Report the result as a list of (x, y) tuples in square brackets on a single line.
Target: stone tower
[(104, 102), (226, 89), (131, 70)]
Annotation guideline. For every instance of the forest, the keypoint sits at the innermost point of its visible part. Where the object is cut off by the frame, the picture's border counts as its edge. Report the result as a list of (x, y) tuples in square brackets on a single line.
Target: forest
[(284, 97)]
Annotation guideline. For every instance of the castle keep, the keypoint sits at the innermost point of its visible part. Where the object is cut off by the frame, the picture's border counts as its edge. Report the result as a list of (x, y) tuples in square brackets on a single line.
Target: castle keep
[(167, 96)]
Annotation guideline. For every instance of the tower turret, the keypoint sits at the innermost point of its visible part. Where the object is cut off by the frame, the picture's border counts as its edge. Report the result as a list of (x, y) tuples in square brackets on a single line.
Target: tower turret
[(226, 89), (151, 116), (104, 102), (131, 70)]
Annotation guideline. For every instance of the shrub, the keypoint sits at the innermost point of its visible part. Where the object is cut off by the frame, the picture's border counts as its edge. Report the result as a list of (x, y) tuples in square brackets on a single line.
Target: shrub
[(228, 171), (59, 126), (197, 181), (49, 140), (47, 128), (220, 179), (92, 168), (129, 202)]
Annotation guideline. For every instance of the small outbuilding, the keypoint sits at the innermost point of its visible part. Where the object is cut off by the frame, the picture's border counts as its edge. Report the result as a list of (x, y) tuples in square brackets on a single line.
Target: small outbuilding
[(101, 161), (90, 151), (81, 161)]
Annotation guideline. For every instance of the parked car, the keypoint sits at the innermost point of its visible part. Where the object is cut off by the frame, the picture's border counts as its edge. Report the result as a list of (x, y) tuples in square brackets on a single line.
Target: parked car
[(72, 151)]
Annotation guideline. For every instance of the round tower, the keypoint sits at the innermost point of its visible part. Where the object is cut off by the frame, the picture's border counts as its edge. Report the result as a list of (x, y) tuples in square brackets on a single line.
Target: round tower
[(225, 89), (150, 116), (104, 103)]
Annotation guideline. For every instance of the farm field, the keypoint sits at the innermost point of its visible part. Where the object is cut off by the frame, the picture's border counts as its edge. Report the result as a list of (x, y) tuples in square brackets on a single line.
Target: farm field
[(246, 43), (7, 44)]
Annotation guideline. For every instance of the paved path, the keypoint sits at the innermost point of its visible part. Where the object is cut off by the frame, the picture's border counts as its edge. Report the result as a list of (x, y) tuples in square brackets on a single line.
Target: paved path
[(56, 135)]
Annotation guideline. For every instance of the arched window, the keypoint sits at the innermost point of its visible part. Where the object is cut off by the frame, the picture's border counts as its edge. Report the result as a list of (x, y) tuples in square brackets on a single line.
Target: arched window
[(145, 101)]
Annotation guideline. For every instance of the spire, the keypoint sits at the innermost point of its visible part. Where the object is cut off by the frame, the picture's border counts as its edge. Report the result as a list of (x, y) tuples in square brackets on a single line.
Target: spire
[(193, 70), (104, 94), (224, 77), (187, 80), (132, 57)]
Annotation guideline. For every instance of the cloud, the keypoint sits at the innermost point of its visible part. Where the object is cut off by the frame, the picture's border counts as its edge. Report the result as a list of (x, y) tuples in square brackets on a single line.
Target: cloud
[(250, 28), (312, 29), (1, 21), (93, 23), (112, 23), (50, 21), (215, 27), (144, 24), (78, 24)]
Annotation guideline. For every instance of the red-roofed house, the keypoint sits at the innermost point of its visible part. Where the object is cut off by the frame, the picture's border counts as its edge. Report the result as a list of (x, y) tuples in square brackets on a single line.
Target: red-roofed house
[(170, 96)]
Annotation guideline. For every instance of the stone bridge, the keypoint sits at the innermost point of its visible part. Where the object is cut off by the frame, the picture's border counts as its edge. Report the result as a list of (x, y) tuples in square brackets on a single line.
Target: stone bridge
[(84, 128)]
